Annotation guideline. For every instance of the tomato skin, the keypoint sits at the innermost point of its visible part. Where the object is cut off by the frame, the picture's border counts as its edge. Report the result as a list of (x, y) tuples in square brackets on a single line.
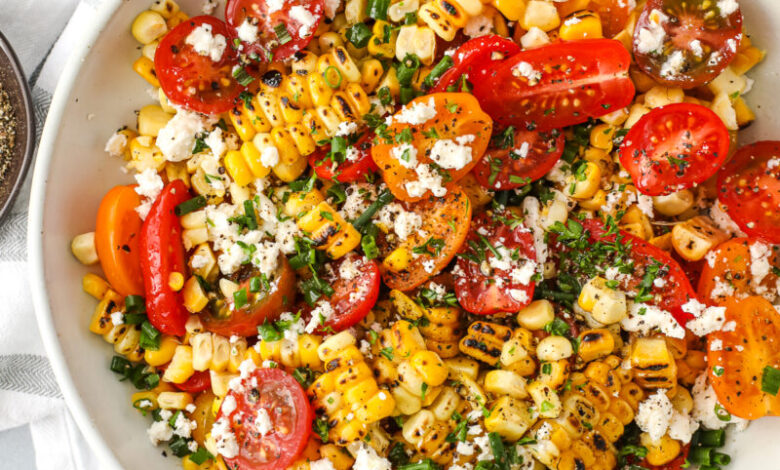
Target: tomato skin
[(690, 133), (614, 15), (162, 253), (346, 172), (236, 11), (744, 352), (543, 152), (200, 381), (474, 59), (479, 293), (457, 115), (749, 187), (116, 240), (570, 82), (367, 281), (243, 322), (288, 408), (447, 218), (187, 78), (731, 266), (686, 22)]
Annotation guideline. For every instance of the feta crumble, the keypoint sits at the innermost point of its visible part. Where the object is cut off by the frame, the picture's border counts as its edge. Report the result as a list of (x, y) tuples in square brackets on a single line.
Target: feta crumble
[(416, 114), (205, 43)]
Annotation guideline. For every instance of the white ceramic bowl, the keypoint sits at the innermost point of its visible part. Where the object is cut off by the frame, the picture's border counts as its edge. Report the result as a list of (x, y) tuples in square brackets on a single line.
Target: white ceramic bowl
[(73, 172)]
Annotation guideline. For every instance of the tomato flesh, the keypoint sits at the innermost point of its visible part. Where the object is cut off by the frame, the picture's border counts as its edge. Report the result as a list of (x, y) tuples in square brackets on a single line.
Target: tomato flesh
[(529, 157), (117, 231), (198, 382), (355, 166), (686, 43), (473, 60), (729, 273), (749, 187), (286, 405), (558, 85), (501, 281), (296, 21), (674, 147), (195, 81)]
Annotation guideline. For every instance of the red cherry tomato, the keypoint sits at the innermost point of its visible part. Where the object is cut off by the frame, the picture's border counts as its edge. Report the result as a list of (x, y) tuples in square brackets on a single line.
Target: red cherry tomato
[(356, 281), (355, 167), (493, 274), (614, 15), (474, 59), (281, 32), (684, 43), (162, 254), (674, 147), (528, 156), (288, 409), (222, 318), (557, 85), (675, 291), (192, 80), (749, 187), (200, 381)]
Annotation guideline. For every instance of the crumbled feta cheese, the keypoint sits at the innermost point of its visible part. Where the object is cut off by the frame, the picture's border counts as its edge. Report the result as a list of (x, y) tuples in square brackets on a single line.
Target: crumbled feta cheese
[(117, 318), (705, 403), (724, 221), (645, 318), (706, 319), (296, 326), (773, 163), (205, 43), (322, 464), (359, 198), (716, 345), (216, 142), (331, 7), (760, 267), (346, 128), (429, 265), (269, 156), (418, 113), (651, 38), (183, 427), (645, 205), (209, 6), (407, 223), (160, 431), (531, 210), (673, 65), (228, 405), (696, 48), (225, 440), (274, 5), (527, 71), (465, 448), (348, 269), (477, 26), (247, 32), (519, 295), (406, 155), (535, 37), (149, 186), (304, 18), (727, 7), (450, 155), (319, 315), (177, 138), (428, 180), (486, 452), (656, 415), (263, 422), (367, 459), (116, 145)]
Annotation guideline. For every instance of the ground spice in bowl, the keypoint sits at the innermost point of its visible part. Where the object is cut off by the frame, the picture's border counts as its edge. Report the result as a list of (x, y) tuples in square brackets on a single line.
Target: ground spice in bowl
[(7, 132)]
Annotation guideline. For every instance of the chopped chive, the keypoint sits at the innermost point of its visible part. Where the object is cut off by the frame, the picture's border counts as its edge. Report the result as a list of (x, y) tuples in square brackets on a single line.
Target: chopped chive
[(189, 205), (359, 34), (119, 364), (150, 336), (201, 456), (134, 318), (240, 298), (377, 9), (242, 76), (438, 70), (282, 34), (249, 211), (770, 380), (327, 76), (135, 304)]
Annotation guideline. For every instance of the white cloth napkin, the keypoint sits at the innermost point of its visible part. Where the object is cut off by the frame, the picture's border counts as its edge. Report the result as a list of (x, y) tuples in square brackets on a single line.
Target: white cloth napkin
[(43, 33)]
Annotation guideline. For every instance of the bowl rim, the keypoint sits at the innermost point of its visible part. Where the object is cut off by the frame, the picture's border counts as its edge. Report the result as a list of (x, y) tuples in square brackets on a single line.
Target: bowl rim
[(29, 120), (36, 275)]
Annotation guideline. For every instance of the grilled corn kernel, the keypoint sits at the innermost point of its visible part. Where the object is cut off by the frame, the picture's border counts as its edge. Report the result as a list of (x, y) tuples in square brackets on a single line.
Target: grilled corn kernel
[(606, 305), (83, 248), (505, 382), (180, 369), (695, 237), (536, 315), (581, 25), (510, 418), (94, 285), (585, 182), (653, 364), (595, 344), (144, 67), (554, 348), (674, 204), (484, 341)]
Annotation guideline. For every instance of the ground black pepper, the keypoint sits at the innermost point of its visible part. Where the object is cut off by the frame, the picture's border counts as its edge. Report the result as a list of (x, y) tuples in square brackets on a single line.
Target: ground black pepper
[(7, 132)]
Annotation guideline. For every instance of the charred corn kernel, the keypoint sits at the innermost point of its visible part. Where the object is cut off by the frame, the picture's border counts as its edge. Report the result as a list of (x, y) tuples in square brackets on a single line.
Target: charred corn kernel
[(176, 19), (554, 374), (101, 318), (595, 344), (398, 260), (653, 363), (536, 315), (505, 382), (382, 43), (547, 401), (695, 237), (180, 368), (484, 341), (442, 331), (371, 72), (148, 26), (330, 41), (329, 231), (512, 9), (300, 353), (94, 285), (540, 14), (585, 182), (167, 8), (126, 342), (661, 96), (403, 339), (510, 418), (444, 17), (554, 348), (430, 367), (83, 248), (662, 451), (176, 281), (144, 67), (606, 305), (164, 354), (428, 436), (446, 403), (581, 25), (674, 204), (237, 168), (174, 400), (637, 223), (405, 306)]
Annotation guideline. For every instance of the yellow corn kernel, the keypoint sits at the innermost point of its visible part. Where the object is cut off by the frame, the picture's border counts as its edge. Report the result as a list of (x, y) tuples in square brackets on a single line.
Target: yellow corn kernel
[(405, 306), (746, 59), (554, 348), (430, 367), (484, 341), (180, 369), (145, 400), (94, 285), (581, 25), (540, 14), (505, 382), (152, 118), (237, 168), (377, 46), (601, 136), (371, 72), (510, 418), (145, 68), (745, 115), (462, 366), (695, 237), (536, 315), (432, 16), (398, 260), (100, 323), (653, 363), (606, 305), (595, 344), (674, 204), (176, 281), (242, 123), (148, 26), (285, 146), (513, 10), (174, 400), (290, 172), (302, 137), (585, 183), (253, 156), (662, 451)]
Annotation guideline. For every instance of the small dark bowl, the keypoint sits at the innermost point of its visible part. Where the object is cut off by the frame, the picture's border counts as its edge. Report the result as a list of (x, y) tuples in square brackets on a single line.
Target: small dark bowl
[(15, 85)]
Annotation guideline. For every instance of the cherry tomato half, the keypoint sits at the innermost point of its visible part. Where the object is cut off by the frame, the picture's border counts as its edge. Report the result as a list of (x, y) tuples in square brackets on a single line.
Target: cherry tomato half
[(200, 381), (525, 158), (162, 254), (283, 401), (558, 85), (278, 28), (222, 318), (674, 147), (117, 232), (749, 187), (356, 165), (192, 80), (686, 43), (473, 60), (495, 266)]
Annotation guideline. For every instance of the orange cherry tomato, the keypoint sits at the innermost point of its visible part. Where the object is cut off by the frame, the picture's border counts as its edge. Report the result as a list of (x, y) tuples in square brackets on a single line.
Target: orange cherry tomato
[(445, 224), (736, 367), (116, 240), (458, 120), (729, 274)]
